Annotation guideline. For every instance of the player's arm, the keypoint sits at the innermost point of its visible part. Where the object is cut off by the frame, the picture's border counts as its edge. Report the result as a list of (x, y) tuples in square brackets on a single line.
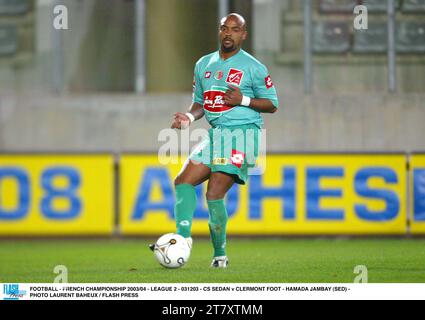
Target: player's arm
[(183, 120), (197, 110), (234, 97), (262, 105)]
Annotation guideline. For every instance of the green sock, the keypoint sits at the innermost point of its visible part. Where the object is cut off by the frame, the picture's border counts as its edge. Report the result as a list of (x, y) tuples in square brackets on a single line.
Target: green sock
[(184, 208), (217, 224)]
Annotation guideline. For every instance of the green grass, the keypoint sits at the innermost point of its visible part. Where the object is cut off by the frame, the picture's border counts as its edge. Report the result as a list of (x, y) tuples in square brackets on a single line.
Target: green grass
[(251, 260)]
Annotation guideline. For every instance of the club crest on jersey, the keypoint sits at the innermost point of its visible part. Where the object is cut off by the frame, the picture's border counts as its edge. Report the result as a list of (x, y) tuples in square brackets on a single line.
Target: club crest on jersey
[(268, 81), (237, 158), (207, 75), (235, 77), (218, 75)]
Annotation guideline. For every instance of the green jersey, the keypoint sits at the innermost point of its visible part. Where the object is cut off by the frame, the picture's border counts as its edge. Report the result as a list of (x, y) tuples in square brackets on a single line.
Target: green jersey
[(212, 78)]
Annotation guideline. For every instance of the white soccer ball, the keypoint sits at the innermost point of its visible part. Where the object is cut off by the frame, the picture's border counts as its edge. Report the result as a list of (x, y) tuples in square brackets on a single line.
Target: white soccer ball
[(172, 250)]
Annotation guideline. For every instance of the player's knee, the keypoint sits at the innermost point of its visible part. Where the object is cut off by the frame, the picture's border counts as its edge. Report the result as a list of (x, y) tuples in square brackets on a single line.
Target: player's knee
[(214, 194), (180, 180)]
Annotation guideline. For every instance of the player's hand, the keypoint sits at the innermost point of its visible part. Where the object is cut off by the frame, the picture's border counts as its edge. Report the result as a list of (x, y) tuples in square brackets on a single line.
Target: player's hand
[(233, 96), (180, 121)]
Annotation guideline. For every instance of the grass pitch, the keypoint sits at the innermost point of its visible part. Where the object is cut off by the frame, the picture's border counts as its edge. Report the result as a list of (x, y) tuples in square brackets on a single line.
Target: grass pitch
[(251, 261)]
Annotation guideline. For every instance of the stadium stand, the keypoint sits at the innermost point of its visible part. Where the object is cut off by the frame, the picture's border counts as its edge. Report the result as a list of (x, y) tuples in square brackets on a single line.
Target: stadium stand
[(413, 6), (337, 6), (8, 40), (410, 37), (374, 6), (13, 7), (379, 6), (334, 33), (331, 37), (372, 41), (345, 57), (17, 27)]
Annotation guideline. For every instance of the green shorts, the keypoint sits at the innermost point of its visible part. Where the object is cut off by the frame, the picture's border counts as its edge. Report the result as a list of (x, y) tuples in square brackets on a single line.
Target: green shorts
[(232, 150)]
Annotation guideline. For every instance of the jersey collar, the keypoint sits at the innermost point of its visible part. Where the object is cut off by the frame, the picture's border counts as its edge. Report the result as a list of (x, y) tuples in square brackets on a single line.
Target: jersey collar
[(231, 58)]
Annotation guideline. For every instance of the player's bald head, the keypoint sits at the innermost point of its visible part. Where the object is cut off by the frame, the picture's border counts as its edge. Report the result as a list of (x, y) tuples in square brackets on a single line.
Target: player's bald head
[(232, 33), (236, 18)]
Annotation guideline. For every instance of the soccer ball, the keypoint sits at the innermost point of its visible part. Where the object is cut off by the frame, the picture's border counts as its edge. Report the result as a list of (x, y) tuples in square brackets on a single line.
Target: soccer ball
[(172, 250)]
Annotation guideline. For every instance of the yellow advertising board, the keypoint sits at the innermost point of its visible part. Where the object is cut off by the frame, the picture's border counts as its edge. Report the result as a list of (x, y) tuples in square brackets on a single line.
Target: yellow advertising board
[(417, 187), (297, 194), (56, 194)]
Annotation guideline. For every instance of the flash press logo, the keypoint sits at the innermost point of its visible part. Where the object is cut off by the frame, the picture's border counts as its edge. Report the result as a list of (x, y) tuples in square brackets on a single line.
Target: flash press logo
[(12, 292)]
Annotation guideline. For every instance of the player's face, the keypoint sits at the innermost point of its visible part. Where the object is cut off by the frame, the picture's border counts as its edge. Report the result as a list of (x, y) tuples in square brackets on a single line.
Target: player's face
[(232, 34)]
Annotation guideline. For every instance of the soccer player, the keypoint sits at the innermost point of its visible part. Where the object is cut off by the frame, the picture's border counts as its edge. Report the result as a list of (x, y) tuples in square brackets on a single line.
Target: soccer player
[(232, 89)]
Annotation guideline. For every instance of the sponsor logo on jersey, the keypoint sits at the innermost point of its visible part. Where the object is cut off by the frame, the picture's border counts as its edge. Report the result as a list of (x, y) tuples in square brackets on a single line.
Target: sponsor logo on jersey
[(214, 101), (218, 75), (235, 77), (268, 81), (207, 74), (237, 158), (220, 161)]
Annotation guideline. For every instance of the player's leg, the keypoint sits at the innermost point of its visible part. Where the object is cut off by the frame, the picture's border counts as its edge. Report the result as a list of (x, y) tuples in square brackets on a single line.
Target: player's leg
[(229, 165), (192, 174), (218, 185)]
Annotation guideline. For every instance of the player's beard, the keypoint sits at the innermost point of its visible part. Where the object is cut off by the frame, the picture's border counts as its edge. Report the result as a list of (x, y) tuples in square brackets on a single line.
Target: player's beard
[(228, 49)]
